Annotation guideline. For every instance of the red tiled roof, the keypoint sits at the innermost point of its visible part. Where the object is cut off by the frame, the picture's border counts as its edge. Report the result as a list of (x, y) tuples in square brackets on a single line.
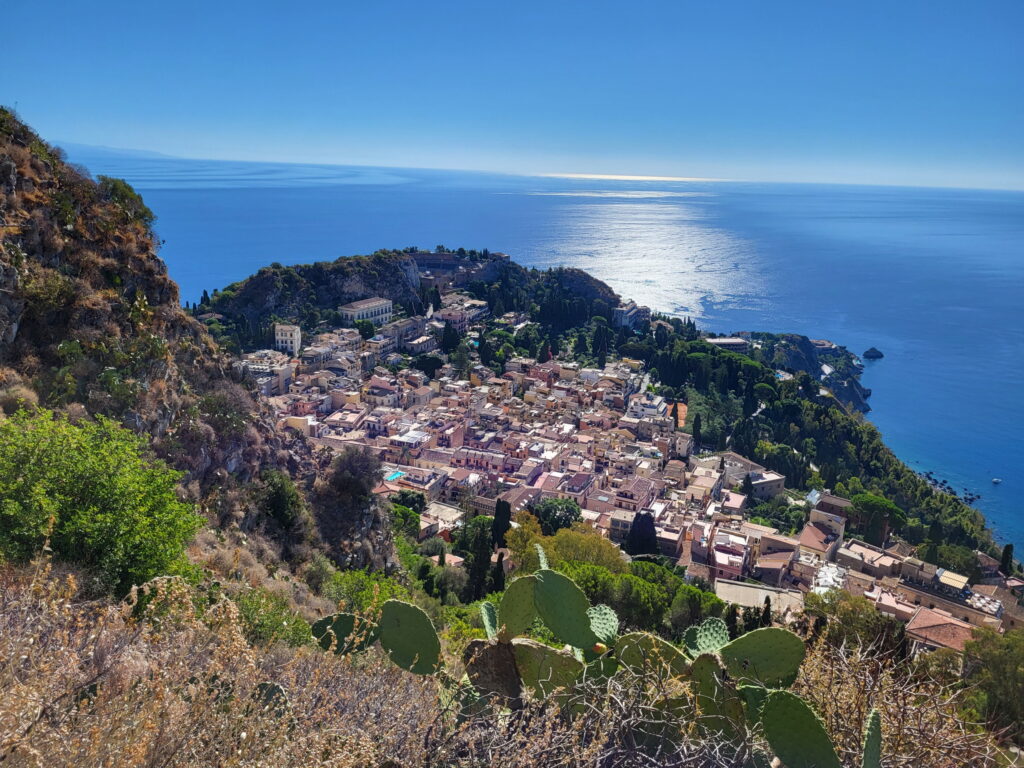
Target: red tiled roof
[(939, 629)]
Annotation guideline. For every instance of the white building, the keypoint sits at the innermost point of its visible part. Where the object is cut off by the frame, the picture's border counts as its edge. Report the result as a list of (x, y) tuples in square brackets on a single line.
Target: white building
[(287, 338), (376, 310)]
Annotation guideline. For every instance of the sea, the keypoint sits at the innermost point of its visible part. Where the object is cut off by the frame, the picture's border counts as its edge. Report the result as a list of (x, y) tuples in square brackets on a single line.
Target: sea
[(934, 278)]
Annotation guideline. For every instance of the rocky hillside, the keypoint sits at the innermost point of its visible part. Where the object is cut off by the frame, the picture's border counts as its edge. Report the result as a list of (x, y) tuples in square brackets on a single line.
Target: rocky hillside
[(309, 294), (90, 323)]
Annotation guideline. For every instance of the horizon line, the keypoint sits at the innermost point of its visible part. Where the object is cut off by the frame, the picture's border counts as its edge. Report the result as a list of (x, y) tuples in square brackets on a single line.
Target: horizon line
[(578, 176)]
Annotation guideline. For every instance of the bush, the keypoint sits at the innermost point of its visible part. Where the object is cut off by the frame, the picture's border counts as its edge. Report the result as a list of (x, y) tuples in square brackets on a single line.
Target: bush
[(92, 492), (280, 498), (267, 619)]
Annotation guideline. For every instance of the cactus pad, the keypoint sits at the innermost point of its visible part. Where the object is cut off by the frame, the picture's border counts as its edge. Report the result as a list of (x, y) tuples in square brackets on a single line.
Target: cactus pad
[(491, 668), (409, 638), (517, 611), (712, 634), (489, 615), (641, 651), (542, 669), (690, 639), (720, 707), (563, 608), (795, 732), (344, 633), (873, 741), (771, 656), (753, 696), (604, 623)]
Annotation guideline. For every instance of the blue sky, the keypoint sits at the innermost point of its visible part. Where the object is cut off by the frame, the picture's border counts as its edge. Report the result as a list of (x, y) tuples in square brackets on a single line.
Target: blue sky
[(923, 92)]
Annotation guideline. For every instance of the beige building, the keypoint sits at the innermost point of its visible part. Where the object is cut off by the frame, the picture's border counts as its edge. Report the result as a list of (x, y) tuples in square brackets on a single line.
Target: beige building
[(377, 310), (287, 338)]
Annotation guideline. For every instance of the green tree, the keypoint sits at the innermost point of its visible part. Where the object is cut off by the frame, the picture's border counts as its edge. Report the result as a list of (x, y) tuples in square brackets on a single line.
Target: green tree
[(697, 436), (997, 664), (460, 360), (280, 498), (555, 514), (449, 338), (1006, 561), (877, 516), (766, 613), (92, 490), (350, 481), (414, 500), (502, 522), (405, 520), (473, 542), (642, 538), (365, 327), (692, 605)]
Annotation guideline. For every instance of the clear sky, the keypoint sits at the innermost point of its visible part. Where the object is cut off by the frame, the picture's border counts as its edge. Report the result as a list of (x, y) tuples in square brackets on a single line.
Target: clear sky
[(924, 92)]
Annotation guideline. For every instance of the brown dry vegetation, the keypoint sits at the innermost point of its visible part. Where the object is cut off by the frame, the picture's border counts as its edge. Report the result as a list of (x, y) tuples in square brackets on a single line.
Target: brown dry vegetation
[(168, 679)]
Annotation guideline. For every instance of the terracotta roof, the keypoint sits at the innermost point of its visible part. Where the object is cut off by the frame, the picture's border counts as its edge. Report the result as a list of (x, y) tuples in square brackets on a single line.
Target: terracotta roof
[(939, 629)]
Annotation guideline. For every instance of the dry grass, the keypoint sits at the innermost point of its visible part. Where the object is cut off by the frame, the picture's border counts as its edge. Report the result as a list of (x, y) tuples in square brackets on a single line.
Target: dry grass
[(90, 684), (153, 682), (920, 722)]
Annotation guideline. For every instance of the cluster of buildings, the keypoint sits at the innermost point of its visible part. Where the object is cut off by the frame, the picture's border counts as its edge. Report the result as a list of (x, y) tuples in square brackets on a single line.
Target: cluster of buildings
[(534, 431)]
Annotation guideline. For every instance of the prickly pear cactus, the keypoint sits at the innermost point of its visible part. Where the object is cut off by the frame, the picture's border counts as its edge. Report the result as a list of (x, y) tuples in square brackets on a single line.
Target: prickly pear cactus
[(344, 633), (563, 608), (517, 611), (770, 656), (690, 639), (491, 668), (643, 652), (720, 706), (873, 741), (795, 732), (712, 634), (409, 638), (489, 615), (542, 669), (604, 623), (753, 696)]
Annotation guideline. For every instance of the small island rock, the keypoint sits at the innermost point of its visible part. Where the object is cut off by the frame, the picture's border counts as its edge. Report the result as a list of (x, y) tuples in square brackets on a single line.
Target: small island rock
[(873, 354)]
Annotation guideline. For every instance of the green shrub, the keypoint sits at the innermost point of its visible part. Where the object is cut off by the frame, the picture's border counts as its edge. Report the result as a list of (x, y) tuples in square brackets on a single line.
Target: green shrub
[(267, 619), (91, 490)]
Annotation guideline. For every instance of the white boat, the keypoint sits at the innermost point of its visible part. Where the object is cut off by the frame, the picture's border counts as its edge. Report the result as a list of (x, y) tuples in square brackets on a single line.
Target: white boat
[(997, 480)]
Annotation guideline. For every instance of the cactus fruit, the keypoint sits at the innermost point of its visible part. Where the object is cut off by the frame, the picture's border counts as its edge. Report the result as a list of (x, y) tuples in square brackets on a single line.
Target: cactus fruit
[(409, 638), (873, 741), (517, 611), (491, 668), (542, 669), (542, 556), (344, 633), (795, 732), (604, 623), (641, 651), (771, 656), (563, 608), (489, 615), (712, 635)]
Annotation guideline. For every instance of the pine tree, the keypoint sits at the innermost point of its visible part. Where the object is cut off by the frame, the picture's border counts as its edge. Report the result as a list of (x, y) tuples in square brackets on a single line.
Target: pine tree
[(1006, 562), (502, 522), (732, 621), (642, 538)]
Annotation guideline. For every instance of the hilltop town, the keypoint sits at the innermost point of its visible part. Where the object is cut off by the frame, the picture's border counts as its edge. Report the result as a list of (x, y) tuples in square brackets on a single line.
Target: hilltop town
[(412, 389)]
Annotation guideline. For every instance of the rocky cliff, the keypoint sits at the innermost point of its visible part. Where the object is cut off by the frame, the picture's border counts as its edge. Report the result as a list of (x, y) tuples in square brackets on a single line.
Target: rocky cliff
[(90, 323)]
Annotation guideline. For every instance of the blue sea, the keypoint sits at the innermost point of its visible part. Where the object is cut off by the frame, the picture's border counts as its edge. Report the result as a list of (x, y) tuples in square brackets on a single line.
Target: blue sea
[(932, 277)]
